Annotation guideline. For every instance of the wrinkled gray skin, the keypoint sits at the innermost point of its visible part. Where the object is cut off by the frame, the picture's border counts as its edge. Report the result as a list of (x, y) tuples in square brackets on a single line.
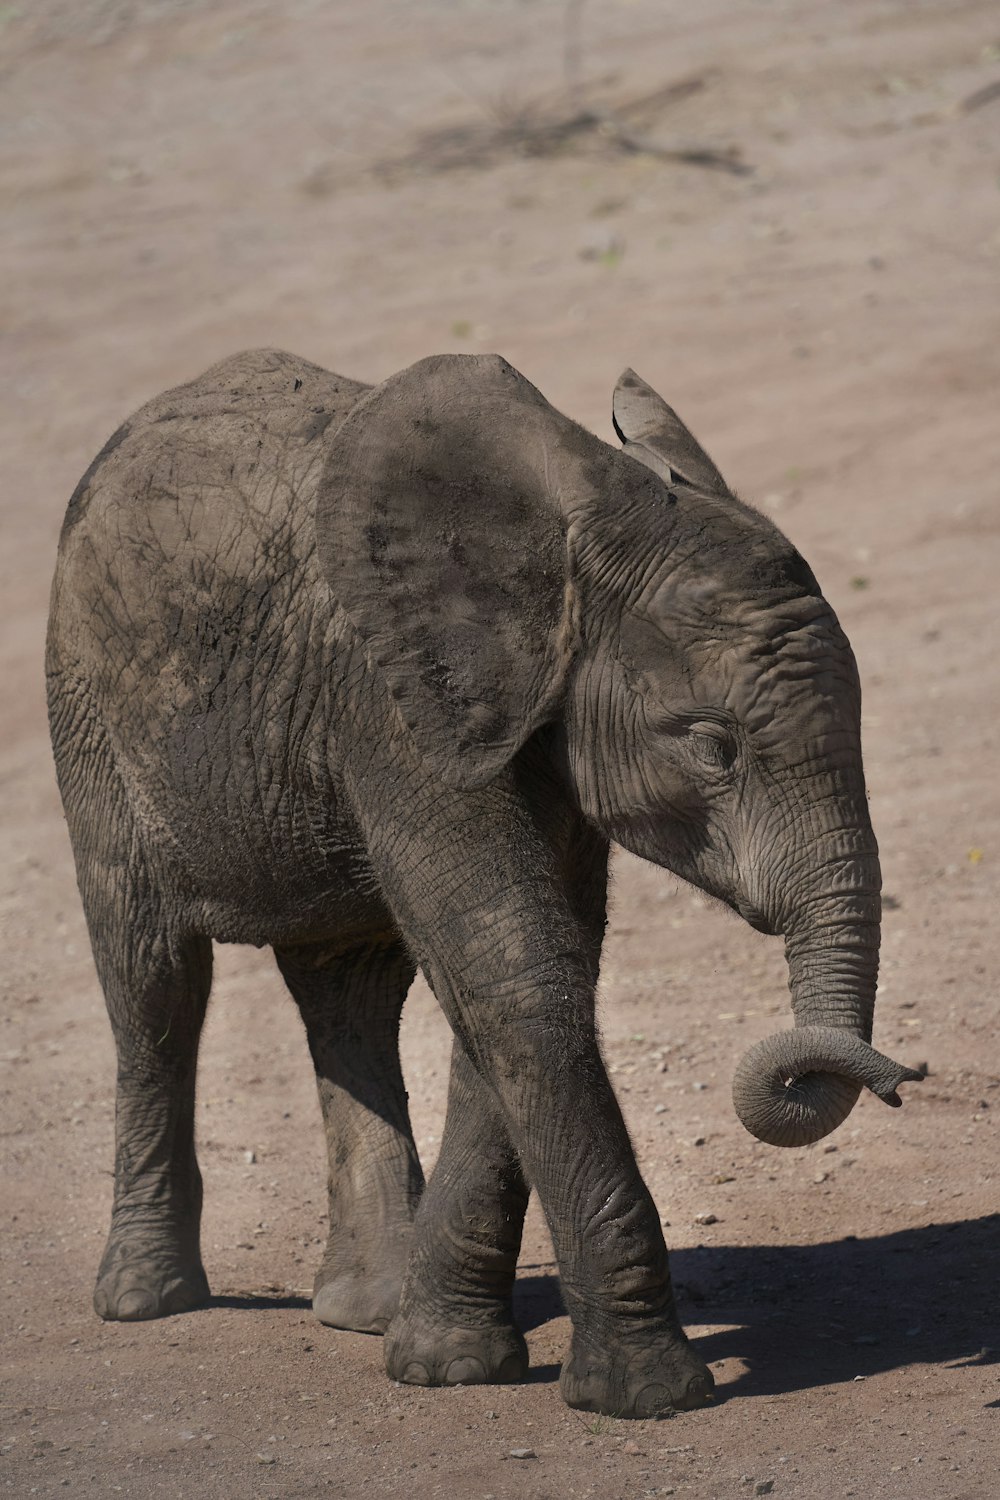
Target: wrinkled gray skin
[(373, 676)]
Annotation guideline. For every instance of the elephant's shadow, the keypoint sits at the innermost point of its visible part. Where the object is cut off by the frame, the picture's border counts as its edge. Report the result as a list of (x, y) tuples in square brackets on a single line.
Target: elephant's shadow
[(805, 1315)]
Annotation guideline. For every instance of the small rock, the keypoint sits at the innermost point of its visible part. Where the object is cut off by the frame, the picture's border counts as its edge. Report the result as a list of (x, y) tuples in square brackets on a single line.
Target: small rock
[(265, 1458), (821, 1177), (763, 1487), (699, 1140), (491, 1416), (631, 1446), (705, 1219), (603, 246), (523, 1453), (250, 1157)]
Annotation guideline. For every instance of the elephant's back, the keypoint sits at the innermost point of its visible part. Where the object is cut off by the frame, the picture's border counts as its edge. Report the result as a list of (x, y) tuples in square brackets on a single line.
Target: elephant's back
[(190, 631), (200, 502), (187, 571), (257, 415)]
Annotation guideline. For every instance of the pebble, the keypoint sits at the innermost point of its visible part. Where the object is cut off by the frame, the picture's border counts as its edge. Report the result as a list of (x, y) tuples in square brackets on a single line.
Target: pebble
[(763, 1487), (523, 1453), (705, 1219)]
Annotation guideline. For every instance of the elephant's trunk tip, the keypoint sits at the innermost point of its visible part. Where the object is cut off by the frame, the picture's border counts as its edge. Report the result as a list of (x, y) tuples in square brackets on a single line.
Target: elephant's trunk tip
[(887, 1092), (796, 1087)]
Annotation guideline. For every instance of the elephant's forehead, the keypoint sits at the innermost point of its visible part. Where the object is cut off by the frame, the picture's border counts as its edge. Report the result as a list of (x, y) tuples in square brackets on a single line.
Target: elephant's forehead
[(772, 661), (804, 677)]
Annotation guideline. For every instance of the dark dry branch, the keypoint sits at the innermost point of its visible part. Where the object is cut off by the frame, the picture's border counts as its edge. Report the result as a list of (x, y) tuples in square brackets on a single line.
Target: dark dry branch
[(532, 130)]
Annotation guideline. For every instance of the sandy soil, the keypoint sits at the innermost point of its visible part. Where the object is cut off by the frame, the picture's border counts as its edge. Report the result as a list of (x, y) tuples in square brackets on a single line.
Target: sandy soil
[(366, 184)]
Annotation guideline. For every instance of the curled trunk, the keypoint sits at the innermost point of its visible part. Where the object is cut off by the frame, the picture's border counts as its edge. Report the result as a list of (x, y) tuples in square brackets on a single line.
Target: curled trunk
[(795, 1087)]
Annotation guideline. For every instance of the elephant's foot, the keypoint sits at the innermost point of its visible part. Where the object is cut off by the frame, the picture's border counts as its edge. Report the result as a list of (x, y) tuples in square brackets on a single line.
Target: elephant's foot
[(420, 1352), (356, 1300), (358, 1283), (146, 1277), (627, 1382)]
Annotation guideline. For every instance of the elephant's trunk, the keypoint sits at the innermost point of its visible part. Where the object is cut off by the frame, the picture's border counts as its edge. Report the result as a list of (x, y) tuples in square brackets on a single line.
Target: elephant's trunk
[(797, 1086)]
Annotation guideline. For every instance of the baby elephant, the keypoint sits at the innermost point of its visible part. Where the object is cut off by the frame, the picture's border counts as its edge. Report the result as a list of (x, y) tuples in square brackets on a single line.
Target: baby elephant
[(374, 676)]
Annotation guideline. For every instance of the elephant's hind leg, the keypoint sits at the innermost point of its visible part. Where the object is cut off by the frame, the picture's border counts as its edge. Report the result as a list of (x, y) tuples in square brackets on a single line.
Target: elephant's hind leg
[(156, 984), (351, 1003), (455, 1324), (155, 973)]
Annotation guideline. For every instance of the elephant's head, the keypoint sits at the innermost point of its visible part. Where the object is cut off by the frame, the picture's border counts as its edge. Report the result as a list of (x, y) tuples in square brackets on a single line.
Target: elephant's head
[(507, 570)]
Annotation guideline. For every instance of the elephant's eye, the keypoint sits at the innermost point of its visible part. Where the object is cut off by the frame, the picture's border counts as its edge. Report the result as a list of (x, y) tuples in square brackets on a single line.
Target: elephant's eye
[(714, 744)]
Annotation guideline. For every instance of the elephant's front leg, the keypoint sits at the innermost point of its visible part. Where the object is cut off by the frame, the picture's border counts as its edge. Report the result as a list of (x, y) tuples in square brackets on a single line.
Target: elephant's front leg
[(539, 1053), (455, 1324), (507, 960), (351, 1003)]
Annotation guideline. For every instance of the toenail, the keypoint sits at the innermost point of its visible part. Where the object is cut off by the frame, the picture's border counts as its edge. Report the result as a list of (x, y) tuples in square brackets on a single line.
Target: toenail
[(512, 1368), (134, 1305), (416, 1374), (465, 1370), (652, 1400), (699, 1389)]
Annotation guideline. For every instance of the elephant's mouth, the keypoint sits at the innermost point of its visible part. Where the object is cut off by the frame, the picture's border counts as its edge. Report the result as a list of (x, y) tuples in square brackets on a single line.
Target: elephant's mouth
[(755, 917)]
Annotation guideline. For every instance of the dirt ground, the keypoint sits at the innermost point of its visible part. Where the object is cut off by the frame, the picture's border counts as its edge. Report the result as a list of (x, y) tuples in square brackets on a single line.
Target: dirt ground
[(368, 183)]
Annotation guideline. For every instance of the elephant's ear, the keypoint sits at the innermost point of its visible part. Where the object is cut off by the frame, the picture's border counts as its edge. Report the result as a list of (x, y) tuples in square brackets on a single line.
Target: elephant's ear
[(440, 532), (653, 433)]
